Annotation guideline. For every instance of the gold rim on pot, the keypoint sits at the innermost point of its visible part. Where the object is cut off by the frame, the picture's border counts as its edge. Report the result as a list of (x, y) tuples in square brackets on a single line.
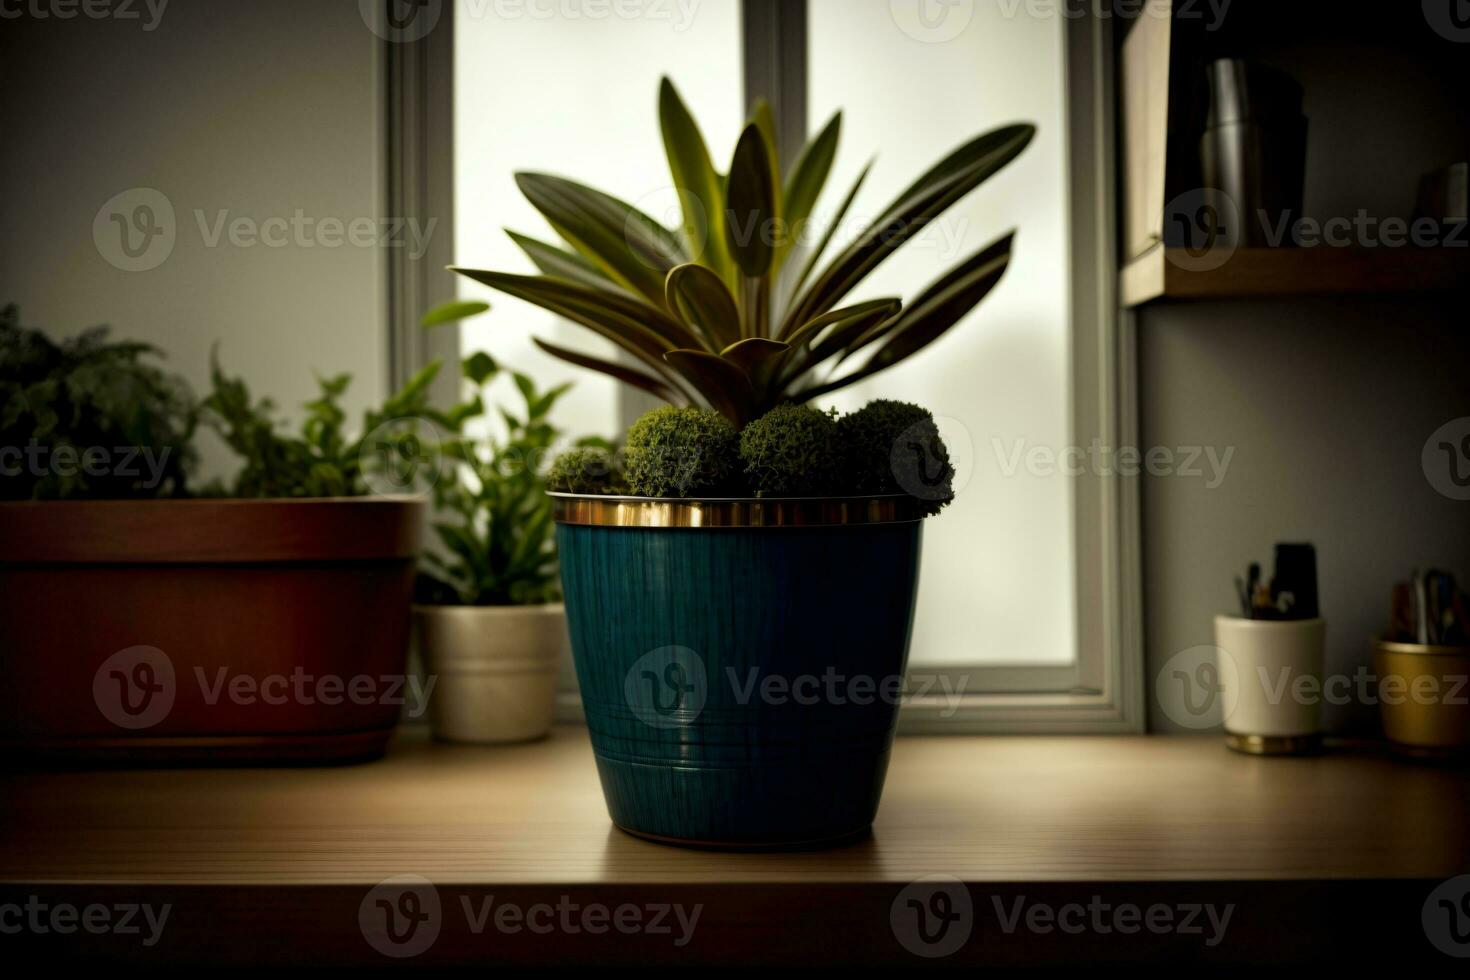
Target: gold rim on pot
[(603, 510), (1421, 649)]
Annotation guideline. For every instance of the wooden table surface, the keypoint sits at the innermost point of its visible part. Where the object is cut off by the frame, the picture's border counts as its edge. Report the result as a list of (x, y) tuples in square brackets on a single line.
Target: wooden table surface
[(1149, 815), (978, 808)]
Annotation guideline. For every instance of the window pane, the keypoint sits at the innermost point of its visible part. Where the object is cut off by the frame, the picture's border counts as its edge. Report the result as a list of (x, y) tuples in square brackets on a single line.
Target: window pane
[(998, 565), (573, 90)]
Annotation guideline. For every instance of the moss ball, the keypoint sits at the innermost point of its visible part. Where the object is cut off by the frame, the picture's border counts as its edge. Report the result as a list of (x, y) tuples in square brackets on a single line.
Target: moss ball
[(682, 452), (585, 470), (791, 451), (895, 447)]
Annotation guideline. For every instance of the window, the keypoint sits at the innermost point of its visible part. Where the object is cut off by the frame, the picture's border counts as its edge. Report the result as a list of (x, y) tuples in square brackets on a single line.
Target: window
[(1026, 603), (537, 88)]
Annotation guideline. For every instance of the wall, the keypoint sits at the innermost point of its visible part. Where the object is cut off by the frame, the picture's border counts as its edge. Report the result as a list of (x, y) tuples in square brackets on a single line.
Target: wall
[(1327, 402), (252, 111)]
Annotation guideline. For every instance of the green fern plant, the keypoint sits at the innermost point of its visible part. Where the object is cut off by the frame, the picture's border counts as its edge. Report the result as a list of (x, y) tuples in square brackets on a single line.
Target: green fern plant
[(324, 460), (696, 307), (493, 518)]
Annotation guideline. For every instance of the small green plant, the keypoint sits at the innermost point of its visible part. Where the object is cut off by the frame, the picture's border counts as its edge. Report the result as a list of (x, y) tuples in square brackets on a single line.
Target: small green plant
[(895, 447), (89, 418), (494, 517), (682, 452), (791, 451), (394, 451), (697, 308), (586, 470)]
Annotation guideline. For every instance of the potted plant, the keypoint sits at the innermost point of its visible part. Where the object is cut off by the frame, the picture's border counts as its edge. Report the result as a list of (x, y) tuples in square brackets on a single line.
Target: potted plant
[(740, 617), (266, 620), (491, 628)]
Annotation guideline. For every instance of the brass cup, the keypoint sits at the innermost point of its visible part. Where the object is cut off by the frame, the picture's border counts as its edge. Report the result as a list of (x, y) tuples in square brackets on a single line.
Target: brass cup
[(1424, 698), (1274, 744)]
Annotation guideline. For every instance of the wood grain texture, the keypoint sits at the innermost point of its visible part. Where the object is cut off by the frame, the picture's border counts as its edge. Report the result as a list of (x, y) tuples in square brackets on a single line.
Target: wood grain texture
[(1158, 274), (1038, 809), (112, 532), (113, 602)]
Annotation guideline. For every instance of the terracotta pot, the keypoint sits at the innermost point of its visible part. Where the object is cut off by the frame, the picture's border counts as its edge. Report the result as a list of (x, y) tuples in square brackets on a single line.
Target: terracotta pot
[(494, 669), (205, 630)]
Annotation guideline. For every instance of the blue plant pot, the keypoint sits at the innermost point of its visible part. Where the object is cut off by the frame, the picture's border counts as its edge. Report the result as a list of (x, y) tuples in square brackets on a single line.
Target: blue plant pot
[(741, 662)]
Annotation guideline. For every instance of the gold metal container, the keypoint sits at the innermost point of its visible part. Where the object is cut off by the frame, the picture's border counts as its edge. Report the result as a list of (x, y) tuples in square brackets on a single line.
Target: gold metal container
[(1424, 698)]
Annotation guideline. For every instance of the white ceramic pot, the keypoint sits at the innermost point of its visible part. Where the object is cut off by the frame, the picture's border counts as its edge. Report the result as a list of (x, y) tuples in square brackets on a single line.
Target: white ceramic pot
[(1271, 683), (494, 667)]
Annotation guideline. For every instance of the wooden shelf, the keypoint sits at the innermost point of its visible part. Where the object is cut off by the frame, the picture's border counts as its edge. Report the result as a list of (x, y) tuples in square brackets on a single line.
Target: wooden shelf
[(1175, 273), (274, 866)]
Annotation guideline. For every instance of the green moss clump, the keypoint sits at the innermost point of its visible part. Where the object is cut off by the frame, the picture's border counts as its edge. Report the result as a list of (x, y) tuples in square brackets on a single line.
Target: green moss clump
[(895, 447), (791, 451), (585, 470), (682, 452)]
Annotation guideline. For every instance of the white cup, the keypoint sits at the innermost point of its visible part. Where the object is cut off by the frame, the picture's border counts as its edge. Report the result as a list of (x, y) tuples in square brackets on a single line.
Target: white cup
[(1270, 673)]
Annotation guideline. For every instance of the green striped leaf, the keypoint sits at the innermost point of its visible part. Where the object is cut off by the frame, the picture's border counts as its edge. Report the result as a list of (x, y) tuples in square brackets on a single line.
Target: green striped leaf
[(701, 191)]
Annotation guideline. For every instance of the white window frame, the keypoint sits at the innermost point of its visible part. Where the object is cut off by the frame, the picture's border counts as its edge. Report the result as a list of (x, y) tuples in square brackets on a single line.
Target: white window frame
[(1102, 691)]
